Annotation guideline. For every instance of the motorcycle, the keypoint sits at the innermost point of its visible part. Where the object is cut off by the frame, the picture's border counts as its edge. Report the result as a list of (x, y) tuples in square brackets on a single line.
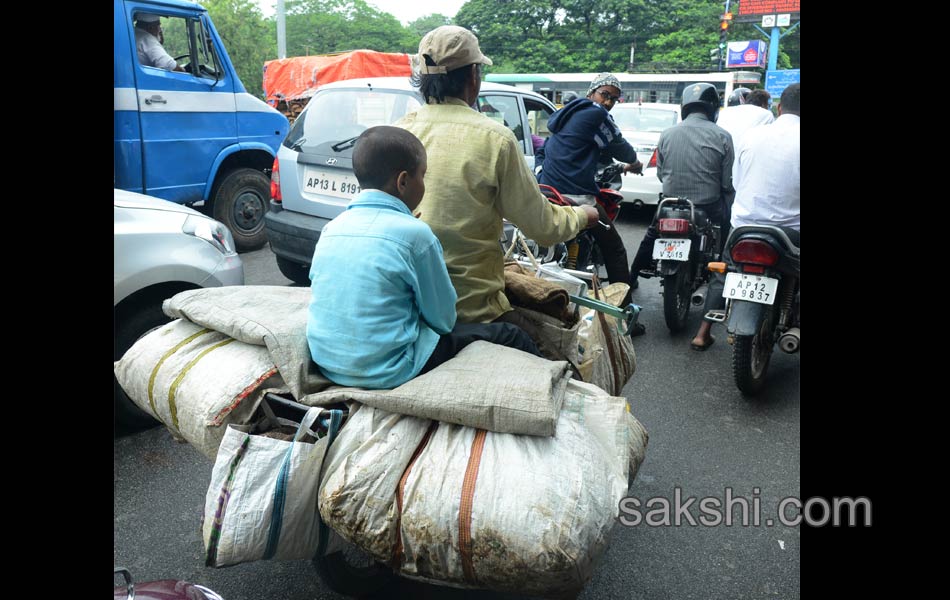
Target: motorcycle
[(581, 256), (763, 299), (688, 242)]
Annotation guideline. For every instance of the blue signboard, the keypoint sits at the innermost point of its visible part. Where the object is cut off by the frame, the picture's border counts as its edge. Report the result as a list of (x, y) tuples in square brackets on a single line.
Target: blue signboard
[(746, 54), (777, 81)]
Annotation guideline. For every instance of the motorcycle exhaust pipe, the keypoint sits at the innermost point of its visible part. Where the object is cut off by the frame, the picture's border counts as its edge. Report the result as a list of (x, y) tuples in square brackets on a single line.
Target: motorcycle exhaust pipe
[(790, 340), (699, 296)]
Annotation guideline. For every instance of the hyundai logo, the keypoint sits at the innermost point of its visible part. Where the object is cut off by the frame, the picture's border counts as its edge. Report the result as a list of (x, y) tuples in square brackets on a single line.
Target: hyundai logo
[(331, 161)]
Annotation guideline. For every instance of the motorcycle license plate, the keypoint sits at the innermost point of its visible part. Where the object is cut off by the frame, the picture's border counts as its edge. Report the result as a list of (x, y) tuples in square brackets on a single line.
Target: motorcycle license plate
[(751, 288), (676, 249)]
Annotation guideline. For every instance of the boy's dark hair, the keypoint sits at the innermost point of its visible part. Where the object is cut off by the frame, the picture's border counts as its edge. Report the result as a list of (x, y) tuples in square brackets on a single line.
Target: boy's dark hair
[(383, 152), (758, 98), (792, 100), (440, 86)]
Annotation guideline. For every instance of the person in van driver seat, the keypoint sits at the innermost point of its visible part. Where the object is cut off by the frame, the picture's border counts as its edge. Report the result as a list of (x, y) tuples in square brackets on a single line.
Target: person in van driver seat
[(148, 43)]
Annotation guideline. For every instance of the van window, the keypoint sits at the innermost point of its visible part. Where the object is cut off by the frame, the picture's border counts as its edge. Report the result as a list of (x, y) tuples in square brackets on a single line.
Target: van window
[(181, 38)]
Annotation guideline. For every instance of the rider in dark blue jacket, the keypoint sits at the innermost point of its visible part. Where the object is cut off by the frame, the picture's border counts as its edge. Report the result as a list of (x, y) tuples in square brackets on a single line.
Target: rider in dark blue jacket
[(584, 135)]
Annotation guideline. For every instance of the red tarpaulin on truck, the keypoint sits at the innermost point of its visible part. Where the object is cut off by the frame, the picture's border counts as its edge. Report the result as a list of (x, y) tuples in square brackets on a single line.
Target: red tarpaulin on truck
[(300, 76)]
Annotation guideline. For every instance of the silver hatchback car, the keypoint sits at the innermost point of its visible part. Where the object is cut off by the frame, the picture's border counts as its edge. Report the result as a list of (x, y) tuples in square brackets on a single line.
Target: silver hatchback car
[(312, 179), (159, 249)]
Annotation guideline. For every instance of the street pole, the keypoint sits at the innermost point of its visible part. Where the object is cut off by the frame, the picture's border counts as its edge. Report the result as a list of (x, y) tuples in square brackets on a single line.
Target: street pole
[(724, 35), (281, 31)]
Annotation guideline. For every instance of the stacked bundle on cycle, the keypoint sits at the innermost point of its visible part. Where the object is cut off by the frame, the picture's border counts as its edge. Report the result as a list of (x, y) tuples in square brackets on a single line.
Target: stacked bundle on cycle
[(495, 470)]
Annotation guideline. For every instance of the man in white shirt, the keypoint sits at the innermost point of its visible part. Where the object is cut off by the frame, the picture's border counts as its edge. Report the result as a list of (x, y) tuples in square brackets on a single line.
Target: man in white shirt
[(768, 184), (744, 113), (148, 43), (768, 169)]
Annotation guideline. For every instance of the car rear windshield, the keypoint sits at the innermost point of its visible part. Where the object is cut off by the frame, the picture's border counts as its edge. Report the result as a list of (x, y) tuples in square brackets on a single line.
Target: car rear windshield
[(334, 116), (644, 119)]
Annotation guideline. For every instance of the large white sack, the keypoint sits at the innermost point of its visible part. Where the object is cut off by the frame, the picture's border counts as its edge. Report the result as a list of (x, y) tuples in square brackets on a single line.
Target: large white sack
[(196, 381), (541, 510)]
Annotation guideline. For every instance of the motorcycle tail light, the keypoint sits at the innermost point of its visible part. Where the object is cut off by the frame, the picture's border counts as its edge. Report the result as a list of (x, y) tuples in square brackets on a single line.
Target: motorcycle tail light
[(757, 269), (673, 226), (652, 163), (275, 182), (754, 252)]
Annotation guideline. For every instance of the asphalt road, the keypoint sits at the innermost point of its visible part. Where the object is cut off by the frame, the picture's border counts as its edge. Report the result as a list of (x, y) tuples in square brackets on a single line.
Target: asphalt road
[(705, 437)]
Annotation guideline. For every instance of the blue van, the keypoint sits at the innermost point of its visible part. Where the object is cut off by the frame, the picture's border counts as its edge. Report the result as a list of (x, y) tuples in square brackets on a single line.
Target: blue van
[(192, 135)]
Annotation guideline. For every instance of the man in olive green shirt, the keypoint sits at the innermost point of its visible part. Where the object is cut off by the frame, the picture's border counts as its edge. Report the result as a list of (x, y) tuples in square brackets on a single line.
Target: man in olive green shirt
[(477, 175)]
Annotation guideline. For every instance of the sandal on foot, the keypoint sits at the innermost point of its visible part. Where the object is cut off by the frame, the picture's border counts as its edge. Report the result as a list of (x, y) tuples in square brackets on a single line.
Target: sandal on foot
[(703, 347)]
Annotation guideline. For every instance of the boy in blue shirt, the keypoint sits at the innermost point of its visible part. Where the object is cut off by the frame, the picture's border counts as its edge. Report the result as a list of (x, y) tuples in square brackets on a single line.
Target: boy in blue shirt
[(382, 309)]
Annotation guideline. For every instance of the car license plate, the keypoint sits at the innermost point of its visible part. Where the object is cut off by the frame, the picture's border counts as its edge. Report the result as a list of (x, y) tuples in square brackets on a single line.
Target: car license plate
[(752, 288), (330, 184), (677, 249)]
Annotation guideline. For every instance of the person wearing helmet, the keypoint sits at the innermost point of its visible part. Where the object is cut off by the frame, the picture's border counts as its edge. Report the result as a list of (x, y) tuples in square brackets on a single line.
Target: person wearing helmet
[(584, 135), (567, 97), (738, 96), (694, 160)]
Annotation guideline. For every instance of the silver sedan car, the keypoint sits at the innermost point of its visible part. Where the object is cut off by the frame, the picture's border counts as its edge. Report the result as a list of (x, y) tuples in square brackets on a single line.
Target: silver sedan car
[(159, 249), (641, 125)]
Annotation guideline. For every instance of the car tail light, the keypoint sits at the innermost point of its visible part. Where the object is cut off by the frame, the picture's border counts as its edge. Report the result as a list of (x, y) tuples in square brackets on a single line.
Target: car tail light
[(275, 182), (673, 225), (652, 163), (754, 252)]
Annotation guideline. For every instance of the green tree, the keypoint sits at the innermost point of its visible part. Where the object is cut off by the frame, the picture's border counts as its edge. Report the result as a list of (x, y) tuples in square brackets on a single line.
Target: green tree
[(246, 37), (424, 25), (328, 26)]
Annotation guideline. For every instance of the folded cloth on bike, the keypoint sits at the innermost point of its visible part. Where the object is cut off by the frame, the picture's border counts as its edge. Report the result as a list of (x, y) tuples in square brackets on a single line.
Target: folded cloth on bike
[(526, 290)]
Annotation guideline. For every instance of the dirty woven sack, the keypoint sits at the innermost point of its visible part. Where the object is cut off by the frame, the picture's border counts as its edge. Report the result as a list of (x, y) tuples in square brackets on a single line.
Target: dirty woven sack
[(262, 500), (196, 381), (603, 356), (504, 512)]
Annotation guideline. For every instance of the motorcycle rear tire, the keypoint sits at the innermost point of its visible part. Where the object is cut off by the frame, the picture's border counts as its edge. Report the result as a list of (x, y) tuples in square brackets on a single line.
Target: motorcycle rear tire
[(676, 298), (751, 355)]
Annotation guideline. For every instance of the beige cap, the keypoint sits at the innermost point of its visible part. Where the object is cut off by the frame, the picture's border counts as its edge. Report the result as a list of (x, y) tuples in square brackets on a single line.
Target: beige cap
[(146, 18), (450, 47)]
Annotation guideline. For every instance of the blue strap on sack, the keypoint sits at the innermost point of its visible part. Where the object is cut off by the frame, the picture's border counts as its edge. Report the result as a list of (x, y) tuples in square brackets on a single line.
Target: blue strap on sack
[(336, 417), (280, 490)]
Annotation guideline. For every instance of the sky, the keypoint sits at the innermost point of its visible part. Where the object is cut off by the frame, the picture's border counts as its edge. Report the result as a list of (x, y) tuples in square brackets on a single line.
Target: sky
[(405, 11)]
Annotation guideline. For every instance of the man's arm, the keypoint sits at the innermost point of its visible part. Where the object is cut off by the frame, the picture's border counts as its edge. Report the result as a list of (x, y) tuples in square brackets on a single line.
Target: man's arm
[(728, 191), (435, 294), (521, 202), (158, 57)]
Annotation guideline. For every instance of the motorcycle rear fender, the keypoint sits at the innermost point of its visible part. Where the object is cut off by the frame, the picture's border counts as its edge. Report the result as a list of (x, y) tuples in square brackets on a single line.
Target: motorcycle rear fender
[(744, 317), (671, 267)]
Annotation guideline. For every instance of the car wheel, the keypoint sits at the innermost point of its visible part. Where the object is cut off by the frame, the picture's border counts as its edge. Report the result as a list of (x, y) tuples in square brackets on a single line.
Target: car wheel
[(131, 325), (240, 203)]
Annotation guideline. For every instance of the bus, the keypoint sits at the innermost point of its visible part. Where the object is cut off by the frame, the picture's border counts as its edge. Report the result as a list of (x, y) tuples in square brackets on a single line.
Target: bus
[(666, 88)]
